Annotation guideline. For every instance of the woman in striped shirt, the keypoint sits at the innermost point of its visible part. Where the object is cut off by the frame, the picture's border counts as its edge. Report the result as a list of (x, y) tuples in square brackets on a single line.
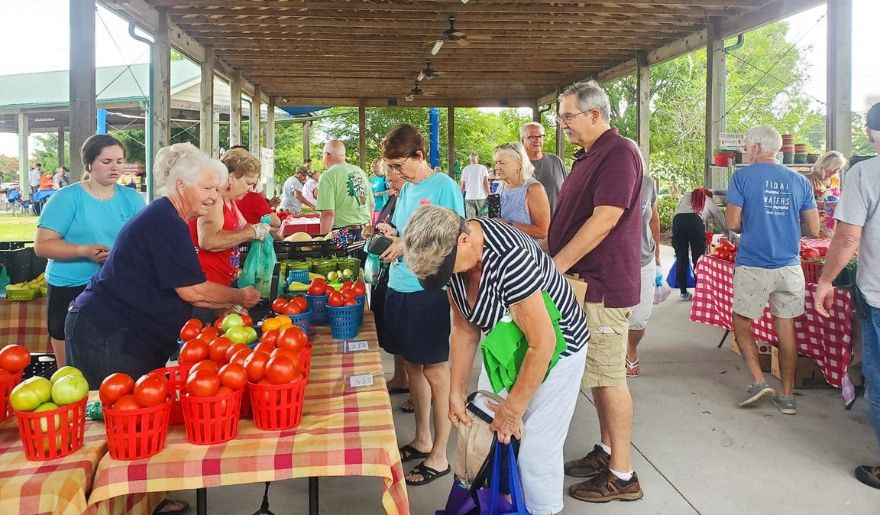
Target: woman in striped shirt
[(491, 269)]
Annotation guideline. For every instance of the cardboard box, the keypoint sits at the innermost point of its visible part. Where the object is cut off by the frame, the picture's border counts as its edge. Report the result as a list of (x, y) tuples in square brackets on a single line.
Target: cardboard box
[(764, 352), (807, 374)]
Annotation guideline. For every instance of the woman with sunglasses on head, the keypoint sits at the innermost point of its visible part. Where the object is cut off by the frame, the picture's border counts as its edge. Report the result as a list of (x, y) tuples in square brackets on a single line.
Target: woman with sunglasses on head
[(417, 322), (524, 202)]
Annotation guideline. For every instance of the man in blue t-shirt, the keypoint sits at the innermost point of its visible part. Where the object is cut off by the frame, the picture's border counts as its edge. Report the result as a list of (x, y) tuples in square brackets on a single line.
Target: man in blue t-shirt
[(769, 205)]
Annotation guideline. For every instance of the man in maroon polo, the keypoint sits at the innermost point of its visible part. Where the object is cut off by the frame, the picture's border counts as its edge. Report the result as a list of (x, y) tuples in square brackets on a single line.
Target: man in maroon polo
[(595, 233)]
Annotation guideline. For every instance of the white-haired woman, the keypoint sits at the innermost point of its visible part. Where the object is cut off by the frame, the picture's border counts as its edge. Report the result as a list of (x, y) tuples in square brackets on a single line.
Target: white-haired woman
[(826, 187), (492, 269), (128, 318), (524, 202)]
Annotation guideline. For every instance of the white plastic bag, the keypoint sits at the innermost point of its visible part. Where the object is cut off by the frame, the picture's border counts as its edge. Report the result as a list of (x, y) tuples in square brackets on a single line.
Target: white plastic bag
[(661, 292)]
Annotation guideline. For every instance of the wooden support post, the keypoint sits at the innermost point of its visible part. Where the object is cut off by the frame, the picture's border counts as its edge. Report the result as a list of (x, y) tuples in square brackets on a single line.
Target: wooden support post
[(643, 98), (307, 126), (161, 111), (206, 113), (60, 146), (255, 121), (450, 137), (82, 81), (23, 169), (838, 125), (560, 136), (716, 87), (270, 144), (536, 112), (215, 148), (235, 111), (362, 137)]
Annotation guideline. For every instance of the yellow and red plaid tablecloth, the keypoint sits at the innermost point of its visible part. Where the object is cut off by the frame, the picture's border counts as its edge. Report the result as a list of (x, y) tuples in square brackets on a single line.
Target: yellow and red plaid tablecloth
[(344, 432), (25, 323)]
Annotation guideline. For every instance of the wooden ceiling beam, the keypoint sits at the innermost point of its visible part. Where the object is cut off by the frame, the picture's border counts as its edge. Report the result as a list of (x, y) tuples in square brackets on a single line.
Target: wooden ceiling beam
[(482, 6)]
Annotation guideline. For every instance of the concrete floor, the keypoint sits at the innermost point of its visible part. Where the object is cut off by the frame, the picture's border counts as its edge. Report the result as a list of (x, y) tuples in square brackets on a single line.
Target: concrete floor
[(693, 449)]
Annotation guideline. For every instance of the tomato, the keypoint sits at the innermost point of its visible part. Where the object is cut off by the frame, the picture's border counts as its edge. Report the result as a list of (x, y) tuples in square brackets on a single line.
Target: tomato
[(360, 289), (292, 308), (210, 366), (4, 374), (317, 289), (279, 304), (256, 366), (190, 329), (248, 321), (351, 301), (202, 384), (151, 390), (264, 347), (319, 281), (283, 322), (126, 402), (217, 349), (14, 358), (114, 386), (269, 325), (193, 351), (335, 299), (233, 375), (280, 370), (301, 302), (223, 390), (347, 285), (270, 337), (241, 355), (232, 351), (293, 339), (209, 333)]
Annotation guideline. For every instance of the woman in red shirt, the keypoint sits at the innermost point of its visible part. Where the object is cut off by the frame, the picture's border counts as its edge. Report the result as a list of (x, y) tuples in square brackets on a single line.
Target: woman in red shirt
[(218, 234)]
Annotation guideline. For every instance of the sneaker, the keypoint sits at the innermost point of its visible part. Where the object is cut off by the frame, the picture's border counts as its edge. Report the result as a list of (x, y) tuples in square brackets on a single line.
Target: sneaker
[(785, 404), (755, 392), (686, 296), (607, 487), (590, 465), (869, 475)]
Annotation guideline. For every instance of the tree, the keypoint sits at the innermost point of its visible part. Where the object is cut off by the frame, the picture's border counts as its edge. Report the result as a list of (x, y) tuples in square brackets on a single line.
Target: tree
[(46, 151)]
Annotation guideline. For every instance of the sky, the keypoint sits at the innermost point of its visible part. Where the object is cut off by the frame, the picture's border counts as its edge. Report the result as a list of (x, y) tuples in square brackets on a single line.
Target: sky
[(43, 24)]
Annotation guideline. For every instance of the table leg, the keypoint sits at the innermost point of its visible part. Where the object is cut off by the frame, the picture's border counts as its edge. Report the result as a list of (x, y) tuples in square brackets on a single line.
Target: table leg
[(722, 339), (202, 501), (313, 496)]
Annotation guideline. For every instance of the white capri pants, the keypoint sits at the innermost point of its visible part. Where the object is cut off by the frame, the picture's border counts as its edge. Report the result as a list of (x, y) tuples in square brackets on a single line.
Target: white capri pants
[(545, 426)]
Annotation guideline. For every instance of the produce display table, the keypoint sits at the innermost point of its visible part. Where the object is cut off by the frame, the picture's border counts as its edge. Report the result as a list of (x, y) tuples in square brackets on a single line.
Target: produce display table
[(306, 224), (345, 431), (25, 323), (827, 341)]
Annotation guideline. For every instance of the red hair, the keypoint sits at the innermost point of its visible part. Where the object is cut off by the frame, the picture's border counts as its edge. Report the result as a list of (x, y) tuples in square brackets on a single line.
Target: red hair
[(698, 199)]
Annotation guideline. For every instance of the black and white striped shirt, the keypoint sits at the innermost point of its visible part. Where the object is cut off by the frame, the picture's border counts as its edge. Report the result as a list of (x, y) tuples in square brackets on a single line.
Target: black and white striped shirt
[(514, 267)]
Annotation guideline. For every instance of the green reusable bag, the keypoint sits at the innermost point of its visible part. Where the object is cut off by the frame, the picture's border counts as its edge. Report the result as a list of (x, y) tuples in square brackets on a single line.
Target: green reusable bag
[(505, 347), (259, 265)]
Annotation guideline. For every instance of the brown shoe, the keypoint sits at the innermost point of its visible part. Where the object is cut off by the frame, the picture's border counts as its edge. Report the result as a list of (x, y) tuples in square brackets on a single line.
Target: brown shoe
[(590, 465), (607, 487)]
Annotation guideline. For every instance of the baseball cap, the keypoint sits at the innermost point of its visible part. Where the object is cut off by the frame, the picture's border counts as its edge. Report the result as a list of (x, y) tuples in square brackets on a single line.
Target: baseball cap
[(874, 117)]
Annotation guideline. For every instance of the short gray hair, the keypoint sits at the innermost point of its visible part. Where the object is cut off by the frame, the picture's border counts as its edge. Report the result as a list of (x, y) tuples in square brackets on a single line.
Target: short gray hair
[(525, 127), (183, 162), (590, 95), (515, 149), (766, 136), (429, 237)]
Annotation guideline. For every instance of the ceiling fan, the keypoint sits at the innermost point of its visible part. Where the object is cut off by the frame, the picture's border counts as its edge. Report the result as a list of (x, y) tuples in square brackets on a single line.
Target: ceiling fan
[(427, 72), (456, 36), (414, 92)]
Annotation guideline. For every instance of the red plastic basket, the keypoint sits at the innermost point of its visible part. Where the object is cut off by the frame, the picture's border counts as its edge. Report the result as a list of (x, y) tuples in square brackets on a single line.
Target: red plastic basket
[(6, 386), (40, 445), (136, 434), (176, 377), (812, 271), (277, 406), (246, 411), (210, 420), (306, 358)]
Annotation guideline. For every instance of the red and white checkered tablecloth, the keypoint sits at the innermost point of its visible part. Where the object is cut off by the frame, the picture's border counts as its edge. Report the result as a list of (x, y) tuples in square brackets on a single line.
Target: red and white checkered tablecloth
[(25, 323), (827, 341)]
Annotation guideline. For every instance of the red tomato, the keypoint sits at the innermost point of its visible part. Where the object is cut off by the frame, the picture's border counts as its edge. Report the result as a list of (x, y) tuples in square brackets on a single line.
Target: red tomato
[(209, 333), (264, 347), (233, 375), (256, 366), (126, 402), (217, 325), (347, 285), (115, 386), (317, 289), (360, 289), (278, 305), (335, 300), (190, 329), (301, 302), (233, 350), (14, 358), (270, 337), (223, 390), (351, 301), (193, 351), (291, 308), (4, 374), (348, 294), (280, 370), (217, 349), (248, 321), (293, 339), (202, 384), (241, 355), (210, 366), (151, 390), (319, 281)]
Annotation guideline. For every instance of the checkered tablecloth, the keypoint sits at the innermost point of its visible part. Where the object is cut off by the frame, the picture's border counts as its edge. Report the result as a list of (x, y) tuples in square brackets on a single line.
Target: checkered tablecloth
[(344, 432), (25, 323), (827, 341)]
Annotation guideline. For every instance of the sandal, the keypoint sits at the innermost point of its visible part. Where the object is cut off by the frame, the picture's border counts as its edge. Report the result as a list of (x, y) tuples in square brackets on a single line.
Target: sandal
[(632, 368), (409, 453), (428, 474), (165, 502), (395, 390), (407, 406)]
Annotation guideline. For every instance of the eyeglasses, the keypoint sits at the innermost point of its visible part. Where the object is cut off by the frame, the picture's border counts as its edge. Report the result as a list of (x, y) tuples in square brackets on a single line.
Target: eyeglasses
[(535, 138), (569, 117), (397, 167)]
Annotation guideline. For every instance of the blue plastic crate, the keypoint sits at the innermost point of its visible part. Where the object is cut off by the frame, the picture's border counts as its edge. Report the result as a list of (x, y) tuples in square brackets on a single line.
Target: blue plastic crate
[(303, 321), (362, 302), (300, 276), (318, 309), (344, 321)]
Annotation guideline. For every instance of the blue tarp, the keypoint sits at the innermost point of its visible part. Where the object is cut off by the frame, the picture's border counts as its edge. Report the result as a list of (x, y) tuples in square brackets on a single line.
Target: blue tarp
[(302, 110)]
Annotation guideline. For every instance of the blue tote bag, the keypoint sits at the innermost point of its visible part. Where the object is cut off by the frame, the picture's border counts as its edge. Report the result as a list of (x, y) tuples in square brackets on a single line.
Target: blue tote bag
[(672, 278)]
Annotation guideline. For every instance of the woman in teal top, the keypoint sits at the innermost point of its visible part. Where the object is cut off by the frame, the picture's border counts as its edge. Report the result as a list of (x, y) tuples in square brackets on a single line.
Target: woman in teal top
[(78, 226), (380, 189), (417, 320)]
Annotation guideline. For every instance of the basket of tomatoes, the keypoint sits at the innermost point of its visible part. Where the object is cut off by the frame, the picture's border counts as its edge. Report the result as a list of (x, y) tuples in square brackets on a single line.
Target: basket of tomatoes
[(211, 397), (297, 308), (812, 260), (14, 359), (136, 414), (346, 313), (278, 371), (317, 297), (725, 251)]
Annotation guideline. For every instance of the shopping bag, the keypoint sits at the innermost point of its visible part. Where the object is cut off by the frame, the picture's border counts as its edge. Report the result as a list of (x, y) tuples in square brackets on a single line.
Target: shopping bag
[(672, 277), (661, 293), (259, 265)]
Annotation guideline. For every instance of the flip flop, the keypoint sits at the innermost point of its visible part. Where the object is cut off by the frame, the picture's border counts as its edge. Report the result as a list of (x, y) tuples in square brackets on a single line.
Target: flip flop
[(428, 474), (394, 391), (407, 406), (165, 502), (632, 368), (409, 453)]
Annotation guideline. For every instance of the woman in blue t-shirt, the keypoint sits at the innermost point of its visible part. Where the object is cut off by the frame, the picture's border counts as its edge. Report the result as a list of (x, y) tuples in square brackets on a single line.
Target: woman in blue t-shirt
[(379, 185), (78, 227), (417, 321)]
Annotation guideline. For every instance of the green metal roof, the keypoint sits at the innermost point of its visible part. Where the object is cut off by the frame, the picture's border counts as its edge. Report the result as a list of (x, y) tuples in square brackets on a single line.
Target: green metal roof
[(124, 83)]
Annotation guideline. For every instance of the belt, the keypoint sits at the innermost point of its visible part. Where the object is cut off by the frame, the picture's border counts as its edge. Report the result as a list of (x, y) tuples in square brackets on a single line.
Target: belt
[(351, 227)]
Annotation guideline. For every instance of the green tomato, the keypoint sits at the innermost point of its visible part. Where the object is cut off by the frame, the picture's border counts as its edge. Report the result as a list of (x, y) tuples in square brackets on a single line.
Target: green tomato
[(64, 371), (231, 320), (251, 334), (24, 398), (237, 334), (69, 389), (44, 425)]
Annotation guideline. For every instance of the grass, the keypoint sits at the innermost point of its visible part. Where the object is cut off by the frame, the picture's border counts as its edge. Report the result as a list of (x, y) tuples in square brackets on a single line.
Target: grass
[(17, 228)]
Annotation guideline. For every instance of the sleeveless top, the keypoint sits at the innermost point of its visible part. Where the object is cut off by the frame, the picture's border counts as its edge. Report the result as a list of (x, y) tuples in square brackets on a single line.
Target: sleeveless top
[(219, 267), (513, 203)]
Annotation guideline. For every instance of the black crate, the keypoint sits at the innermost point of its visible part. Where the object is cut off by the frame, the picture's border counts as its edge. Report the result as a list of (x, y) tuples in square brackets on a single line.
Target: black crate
[(19, 264), (43, 365)]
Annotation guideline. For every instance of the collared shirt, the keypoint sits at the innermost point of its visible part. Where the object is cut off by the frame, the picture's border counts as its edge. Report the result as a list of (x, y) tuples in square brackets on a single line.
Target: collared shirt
[(609, 173)]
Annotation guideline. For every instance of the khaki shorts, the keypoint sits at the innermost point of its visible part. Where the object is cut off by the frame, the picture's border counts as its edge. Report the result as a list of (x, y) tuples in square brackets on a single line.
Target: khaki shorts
[(606, 353), (783, 287)]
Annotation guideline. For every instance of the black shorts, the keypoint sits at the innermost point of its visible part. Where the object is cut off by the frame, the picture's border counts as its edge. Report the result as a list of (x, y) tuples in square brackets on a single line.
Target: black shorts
[(417, 326), (58, 299)]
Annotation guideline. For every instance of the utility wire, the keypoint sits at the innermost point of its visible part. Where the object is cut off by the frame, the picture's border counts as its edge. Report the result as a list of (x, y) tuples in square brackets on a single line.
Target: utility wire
[(127, 67)]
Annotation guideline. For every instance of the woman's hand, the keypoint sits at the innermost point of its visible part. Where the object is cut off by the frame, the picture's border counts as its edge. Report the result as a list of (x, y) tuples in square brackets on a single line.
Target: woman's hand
[(260, 231), (394, 251), (457, 410), (507, 421), (367, 231), (97, 252), (386, 230), (249, 297)]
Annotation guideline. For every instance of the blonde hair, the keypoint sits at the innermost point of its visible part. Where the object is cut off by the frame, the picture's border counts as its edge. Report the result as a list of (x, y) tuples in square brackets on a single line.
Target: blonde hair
[(240, 163), (830, 161), (527, 169), (429, 237), (183, 162)]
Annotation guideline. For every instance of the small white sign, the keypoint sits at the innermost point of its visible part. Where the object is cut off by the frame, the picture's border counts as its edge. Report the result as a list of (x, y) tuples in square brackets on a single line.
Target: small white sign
[(356, 346), (361, 380)]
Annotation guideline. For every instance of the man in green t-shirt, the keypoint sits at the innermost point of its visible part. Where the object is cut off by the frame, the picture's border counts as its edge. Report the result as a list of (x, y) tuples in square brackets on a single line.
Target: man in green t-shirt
[(345, 199)]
